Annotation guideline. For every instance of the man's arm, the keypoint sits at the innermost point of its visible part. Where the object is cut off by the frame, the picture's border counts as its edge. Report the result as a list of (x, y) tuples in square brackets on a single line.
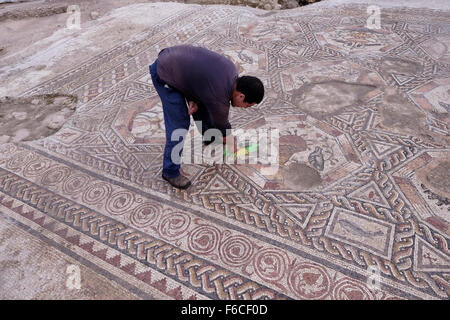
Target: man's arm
[(230, 143), (218, 112), (220, 119)]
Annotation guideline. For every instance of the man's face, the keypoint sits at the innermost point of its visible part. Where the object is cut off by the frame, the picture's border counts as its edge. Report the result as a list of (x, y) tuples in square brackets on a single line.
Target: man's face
[(238, 100)]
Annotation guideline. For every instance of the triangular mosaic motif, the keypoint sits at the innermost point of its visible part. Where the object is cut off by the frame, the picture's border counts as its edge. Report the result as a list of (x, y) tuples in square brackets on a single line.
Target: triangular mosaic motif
[(370, 193)]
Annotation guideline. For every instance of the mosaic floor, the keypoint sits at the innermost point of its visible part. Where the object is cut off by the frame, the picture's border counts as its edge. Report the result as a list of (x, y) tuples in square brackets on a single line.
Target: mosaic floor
[(359, 209)]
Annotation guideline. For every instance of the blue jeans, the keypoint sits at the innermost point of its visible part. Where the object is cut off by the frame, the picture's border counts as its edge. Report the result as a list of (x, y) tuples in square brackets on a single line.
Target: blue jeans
[(175, 117)]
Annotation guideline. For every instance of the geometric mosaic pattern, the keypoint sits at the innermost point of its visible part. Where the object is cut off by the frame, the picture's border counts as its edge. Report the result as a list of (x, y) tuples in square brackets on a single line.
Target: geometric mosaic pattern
[(381, 203)]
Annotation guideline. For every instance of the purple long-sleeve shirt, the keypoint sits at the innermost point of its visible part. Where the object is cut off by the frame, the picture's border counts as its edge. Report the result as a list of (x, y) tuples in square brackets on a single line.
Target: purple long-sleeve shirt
[(202, 76)]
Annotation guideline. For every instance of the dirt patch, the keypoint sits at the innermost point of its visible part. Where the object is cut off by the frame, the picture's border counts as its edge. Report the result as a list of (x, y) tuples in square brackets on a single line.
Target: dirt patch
[(399, 114), (326, 98), (391, 65), (398, 111), (439, 178), (300, 176), (33, 12), (34, 117)]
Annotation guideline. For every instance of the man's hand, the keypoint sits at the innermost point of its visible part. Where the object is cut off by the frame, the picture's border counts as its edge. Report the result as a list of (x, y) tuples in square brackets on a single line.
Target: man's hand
[(192, 107), (230, 142)]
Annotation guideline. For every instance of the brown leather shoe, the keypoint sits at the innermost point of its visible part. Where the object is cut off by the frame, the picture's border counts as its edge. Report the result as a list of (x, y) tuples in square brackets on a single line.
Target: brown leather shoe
[(180, 182)]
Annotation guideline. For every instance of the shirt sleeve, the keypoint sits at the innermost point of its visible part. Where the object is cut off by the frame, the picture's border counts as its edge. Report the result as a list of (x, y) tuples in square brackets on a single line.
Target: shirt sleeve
[(219, 112)]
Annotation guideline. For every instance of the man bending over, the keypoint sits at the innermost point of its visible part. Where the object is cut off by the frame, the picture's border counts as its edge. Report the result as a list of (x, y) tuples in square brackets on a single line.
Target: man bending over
[(196, 81)]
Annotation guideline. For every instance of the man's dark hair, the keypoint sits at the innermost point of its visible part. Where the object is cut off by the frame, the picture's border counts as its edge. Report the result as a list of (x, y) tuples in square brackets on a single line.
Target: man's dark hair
[(251, 87)]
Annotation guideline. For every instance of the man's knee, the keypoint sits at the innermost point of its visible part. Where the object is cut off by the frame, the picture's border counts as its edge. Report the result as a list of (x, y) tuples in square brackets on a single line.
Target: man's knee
[(176, 136)]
